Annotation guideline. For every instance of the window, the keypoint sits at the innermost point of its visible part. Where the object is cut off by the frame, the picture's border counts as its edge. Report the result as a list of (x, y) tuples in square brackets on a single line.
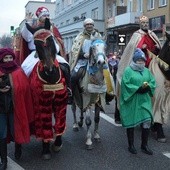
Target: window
[(95, 13), (67, 22), (109, 13), (62, 24), (130, 5), (140, 6), (151, 4), (83, 16), (121, 2), (62, 4), (58, 7), (69, 2), (162, 2)]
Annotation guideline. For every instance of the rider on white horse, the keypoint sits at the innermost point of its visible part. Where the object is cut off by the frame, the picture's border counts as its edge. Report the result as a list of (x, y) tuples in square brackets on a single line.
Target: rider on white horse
[(80, 53)]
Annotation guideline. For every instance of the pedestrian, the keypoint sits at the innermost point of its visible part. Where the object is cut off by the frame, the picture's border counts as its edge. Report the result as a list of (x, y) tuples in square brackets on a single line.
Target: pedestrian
[(113, 62), (137, 89), (15, 105), (147, 41)]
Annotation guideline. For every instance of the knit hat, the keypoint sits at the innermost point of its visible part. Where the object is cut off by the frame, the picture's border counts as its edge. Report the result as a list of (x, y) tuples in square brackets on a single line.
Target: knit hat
[(42, 11), (139, 54), (6, 51), (88, 21)]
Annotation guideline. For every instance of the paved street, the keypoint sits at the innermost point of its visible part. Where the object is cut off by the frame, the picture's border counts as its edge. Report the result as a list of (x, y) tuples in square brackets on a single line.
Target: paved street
[(110, 154)]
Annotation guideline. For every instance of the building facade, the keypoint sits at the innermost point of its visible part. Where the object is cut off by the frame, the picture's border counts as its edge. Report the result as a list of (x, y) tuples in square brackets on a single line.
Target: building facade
[(70, 15), (123, 19), (159, 19)]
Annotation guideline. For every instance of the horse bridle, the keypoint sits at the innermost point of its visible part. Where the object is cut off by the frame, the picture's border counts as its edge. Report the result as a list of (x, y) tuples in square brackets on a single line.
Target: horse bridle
[(93, 44)]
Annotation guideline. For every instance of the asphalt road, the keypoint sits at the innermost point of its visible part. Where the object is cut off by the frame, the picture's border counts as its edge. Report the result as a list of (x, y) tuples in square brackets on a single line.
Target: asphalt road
[(110, 154)]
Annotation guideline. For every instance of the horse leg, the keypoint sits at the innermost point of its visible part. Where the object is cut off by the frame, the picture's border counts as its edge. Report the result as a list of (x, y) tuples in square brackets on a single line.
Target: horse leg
[(117, 113), (157, 127), (80, 123), (46, 154), (96, 120), (75, 124), (89, 135), (57, 145)]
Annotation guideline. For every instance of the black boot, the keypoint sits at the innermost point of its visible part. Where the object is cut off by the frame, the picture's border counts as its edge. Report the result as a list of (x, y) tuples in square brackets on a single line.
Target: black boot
[(144, 145), (130, 136), (3, 153), (18, 151), (66, 71), (117, 113), (46, 154), (160, 134), (57, 145)]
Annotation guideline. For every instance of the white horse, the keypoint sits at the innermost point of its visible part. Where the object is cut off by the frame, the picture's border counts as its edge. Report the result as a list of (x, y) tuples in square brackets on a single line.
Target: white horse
[(93, 90)]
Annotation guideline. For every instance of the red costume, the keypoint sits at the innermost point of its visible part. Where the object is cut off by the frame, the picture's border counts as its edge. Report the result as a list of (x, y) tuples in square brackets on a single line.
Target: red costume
[(151, 46), (21, 97), (23, 110), (48, 99)]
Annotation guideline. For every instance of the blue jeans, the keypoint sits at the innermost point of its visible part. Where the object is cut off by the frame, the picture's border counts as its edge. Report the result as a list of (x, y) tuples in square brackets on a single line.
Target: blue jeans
[(6, 124)]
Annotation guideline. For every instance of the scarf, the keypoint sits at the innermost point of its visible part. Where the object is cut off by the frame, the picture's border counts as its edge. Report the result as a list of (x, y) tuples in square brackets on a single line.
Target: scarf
[(137, 67), (7, 67)]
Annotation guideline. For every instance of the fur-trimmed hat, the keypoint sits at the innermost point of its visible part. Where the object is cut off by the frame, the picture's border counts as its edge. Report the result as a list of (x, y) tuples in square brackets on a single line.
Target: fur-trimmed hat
[(144, 19), (88, 21), (42, 11), (139, 54)]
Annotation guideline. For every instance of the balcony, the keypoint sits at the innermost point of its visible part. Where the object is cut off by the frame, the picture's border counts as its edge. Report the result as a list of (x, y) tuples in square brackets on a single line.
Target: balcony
[(124, 19), (127, 18)]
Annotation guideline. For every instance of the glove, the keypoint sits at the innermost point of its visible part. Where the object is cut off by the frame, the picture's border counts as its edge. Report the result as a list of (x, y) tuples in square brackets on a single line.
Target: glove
[(143, 90), (29, 18)]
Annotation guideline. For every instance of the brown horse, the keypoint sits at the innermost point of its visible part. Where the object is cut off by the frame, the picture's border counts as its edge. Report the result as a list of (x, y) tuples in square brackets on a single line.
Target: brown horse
[(49, 93)]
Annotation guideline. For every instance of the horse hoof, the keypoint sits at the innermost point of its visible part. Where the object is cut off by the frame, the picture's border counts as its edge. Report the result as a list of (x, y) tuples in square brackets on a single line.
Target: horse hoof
[(56, 148), (161, 140), (89, 147), (75, 129), (80, 124), (46, 156), (97, 140)]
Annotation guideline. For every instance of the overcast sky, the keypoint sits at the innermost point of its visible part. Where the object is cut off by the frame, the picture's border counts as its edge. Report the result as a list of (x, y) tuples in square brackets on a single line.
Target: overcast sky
[(12, 13)]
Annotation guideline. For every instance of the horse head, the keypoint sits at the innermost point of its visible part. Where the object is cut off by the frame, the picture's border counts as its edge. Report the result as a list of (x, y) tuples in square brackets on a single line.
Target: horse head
[(97, 51), (164, 57), (46, 50)]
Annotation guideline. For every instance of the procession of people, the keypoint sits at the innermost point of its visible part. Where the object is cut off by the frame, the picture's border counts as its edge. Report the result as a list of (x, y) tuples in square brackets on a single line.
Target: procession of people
[(32, 113)]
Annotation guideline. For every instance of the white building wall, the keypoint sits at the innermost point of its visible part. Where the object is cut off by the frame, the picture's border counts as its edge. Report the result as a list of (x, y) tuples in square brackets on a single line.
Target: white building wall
[(67, 10)]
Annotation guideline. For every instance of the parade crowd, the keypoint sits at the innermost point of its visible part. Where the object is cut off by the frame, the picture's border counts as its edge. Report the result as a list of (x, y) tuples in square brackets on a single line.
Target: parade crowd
[(27, 104)]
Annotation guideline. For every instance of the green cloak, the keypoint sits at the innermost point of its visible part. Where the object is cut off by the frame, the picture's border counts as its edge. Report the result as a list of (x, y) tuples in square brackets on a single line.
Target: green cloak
[(136, 108)]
